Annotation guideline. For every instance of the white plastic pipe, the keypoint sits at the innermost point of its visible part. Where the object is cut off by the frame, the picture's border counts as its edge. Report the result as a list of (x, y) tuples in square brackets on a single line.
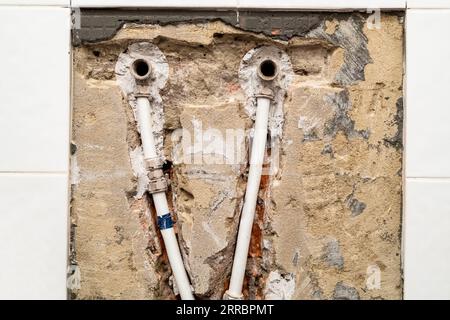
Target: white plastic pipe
[(159, 199), (251, 195)]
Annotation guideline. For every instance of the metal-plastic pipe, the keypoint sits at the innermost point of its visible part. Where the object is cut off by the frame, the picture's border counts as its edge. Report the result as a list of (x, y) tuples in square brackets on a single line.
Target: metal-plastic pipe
[(251, 195), (159, 199)]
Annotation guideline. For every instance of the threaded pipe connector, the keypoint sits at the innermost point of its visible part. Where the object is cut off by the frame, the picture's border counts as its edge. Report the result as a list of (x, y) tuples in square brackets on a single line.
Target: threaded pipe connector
[(228, 296), (141, 69), (268, 70)]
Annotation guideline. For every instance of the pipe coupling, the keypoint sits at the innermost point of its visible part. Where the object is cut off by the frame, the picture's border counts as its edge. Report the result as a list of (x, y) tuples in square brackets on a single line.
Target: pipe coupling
[(158, 181), (265, 93), (154, 163), (157, 185), (227, 296)]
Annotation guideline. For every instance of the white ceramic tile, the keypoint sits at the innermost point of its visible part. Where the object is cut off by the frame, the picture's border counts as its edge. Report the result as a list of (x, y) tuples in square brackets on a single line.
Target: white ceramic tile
[(34, 88), (428, 4), (322, 4), (427, 239), (33, 236), (427, 88), (281, 4), (61, 3), (156, 4)]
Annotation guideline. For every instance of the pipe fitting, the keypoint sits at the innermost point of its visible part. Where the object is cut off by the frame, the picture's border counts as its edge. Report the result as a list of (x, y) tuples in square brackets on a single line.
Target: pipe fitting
[(265, 93), (268, 70), (158, 182), (154, 163), (157, 185), (228, 296), (141, 69)]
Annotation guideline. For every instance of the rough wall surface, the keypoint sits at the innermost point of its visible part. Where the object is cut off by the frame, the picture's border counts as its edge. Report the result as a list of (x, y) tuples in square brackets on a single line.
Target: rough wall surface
[(328, 220)]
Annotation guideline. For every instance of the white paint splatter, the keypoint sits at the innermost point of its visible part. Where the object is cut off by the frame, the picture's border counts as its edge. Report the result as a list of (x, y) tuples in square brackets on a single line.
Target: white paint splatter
[(160, 73), (75, 176), (307, 124), (280, 287), (252, 84), (139, 170), (216, 239), (93, 146), (373, 281), (73, 281)]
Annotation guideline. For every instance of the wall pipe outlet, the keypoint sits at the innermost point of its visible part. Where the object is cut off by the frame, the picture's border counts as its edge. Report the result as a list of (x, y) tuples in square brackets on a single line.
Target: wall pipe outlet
[(267, 71), (141, 70)]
